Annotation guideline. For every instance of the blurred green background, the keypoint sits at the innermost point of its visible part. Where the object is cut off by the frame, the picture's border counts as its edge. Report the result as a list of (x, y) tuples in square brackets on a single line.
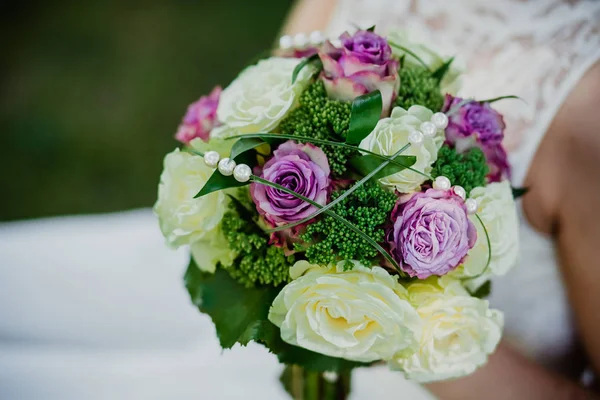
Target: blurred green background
[(91, 93)]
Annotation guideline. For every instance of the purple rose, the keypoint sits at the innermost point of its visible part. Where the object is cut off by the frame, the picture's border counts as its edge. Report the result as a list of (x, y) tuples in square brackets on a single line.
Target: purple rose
[(200, 118), (363, 64), (432, 233), (302, 168), (477, 124)]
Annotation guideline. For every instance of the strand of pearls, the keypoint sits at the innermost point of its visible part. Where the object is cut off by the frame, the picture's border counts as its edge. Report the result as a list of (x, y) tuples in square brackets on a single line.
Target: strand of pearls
[(443, 183), (227, 166), (428, 129), (301, 41)]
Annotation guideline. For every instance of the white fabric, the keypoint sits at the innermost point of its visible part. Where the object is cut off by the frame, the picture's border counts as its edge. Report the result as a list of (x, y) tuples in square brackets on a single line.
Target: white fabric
[(93, 307)]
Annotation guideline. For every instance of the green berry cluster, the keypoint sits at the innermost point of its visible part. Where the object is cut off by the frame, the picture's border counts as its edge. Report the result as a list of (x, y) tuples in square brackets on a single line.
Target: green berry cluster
[(418, 87), (467, 169), (321, 118), (368, 208), (257, 261)]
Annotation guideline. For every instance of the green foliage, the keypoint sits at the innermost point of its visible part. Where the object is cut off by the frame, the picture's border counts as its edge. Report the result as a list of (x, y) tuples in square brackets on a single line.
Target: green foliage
[(240, 315), (419, 87), (483, 291), (367, 208), (468, 169), (321, 118), (257, 263), (366, 111), (519, 192)]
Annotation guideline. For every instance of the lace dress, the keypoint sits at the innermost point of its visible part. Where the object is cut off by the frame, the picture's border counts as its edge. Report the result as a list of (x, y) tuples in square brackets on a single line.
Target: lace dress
[(93, 307)]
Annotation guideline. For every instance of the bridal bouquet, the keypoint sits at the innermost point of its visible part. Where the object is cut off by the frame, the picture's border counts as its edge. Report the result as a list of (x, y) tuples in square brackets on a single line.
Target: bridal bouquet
[(344, 208)]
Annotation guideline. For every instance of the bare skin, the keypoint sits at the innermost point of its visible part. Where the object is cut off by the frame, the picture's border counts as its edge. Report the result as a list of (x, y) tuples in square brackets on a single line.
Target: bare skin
[(564, 183)]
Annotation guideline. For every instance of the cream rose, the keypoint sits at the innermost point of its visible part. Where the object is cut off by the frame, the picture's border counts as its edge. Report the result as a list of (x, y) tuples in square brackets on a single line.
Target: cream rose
[(391, 134), (212, 250), (498, 212), (451, 82), (459, 331), (182, 218), (262, 95), (359, 315)]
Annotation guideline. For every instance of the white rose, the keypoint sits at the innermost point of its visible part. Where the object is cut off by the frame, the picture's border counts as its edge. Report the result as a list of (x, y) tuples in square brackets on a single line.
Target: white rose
[(451, 82), (459, 331), (391, 134), (262, 95), (359, 315), (498, 212), (212, 250), (184, 219)]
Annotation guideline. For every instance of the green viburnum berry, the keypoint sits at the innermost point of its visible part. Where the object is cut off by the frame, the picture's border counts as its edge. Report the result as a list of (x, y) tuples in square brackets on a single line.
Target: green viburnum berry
[(418, 87), (468, 169), (258, 263), (329, 240), (321, 118)]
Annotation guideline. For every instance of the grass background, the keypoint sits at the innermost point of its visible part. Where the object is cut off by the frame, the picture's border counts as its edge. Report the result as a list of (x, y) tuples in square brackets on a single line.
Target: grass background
[(91, 93)]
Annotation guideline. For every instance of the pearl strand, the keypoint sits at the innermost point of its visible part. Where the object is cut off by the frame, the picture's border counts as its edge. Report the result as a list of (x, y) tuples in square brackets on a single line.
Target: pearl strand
[(301, 41)]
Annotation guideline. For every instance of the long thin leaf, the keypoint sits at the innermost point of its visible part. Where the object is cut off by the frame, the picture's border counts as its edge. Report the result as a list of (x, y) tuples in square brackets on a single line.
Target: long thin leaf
[(344, 195), (366, 110), (302, 64), (243, 145), (519, 192), (489, 244), (350, 225), (276, 136), (218, 181), (367, 163), (439, 73), (410, 53), (501, 98)]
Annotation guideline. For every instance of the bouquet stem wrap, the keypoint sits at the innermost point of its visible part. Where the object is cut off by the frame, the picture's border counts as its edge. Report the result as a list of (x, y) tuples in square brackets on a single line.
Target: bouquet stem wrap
[(303, 384)]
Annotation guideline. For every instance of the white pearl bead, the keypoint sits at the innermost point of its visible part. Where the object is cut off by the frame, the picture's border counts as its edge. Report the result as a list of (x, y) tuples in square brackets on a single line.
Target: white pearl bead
[(226, 166), (316, 38), (300, 40), (442, 183), (242, 173), (471, 205), (415, 138), (211, 159), (440, 120), (286, 42), (429, 129), (460, 191), (330, 376)]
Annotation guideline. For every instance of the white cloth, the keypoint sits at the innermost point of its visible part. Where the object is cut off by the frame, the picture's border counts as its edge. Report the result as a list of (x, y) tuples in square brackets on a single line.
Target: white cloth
[(93, 307)]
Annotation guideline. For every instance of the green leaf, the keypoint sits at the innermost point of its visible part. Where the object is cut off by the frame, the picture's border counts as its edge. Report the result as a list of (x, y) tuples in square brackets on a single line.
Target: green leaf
[(314, 59), (371, 29), (367, 163), (500, 98), (442, 70), (483, 290), (243, 145), (518, 192), (237, 312), (241, 314), (366, 111), (218, 181)]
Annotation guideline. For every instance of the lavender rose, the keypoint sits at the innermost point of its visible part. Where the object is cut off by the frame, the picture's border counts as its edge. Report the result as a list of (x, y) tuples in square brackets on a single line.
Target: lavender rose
[(477, 124), (302, 168), (363, 64), (432, 233), (200, 118)]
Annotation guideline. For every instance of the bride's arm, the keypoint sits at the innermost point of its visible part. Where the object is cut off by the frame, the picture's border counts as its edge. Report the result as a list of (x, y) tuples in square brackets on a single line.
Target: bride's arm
[(309, 15)]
